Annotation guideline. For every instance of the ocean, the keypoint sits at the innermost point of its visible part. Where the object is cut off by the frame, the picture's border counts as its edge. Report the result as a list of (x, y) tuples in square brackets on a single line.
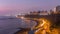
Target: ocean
[(9, 25)]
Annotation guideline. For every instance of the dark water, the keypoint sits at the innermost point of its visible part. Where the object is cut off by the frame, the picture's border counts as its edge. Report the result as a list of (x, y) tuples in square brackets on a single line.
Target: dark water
[(10, 25)]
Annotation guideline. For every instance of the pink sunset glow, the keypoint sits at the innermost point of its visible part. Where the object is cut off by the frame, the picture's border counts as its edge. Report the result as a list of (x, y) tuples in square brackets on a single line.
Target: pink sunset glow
[(23, 6)]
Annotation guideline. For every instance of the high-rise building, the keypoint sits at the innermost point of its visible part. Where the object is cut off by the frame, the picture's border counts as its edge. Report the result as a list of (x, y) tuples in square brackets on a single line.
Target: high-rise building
[(58, 8), (54, 9)]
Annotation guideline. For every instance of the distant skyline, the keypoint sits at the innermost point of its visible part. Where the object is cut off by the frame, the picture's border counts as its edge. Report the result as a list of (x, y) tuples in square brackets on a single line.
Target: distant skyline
[(14, 7)]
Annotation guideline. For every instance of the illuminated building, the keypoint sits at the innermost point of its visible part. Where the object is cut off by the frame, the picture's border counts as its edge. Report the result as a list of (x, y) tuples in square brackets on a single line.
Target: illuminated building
[(58, 8)]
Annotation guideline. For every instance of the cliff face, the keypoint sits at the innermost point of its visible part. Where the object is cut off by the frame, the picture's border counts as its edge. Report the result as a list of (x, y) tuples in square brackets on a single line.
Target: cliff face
[(32, 16), (57, 20)]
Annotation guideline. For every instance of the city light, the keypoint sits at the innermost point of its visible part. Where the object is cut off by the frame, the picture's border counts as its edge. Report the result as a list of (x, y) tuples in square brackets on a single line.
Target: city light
[(45, 25)]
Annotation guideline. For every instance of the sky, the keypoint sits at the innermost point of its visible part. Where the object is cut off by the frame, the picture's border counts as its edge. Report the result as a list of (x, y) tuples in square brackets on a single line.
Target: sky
[(15, 7)]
